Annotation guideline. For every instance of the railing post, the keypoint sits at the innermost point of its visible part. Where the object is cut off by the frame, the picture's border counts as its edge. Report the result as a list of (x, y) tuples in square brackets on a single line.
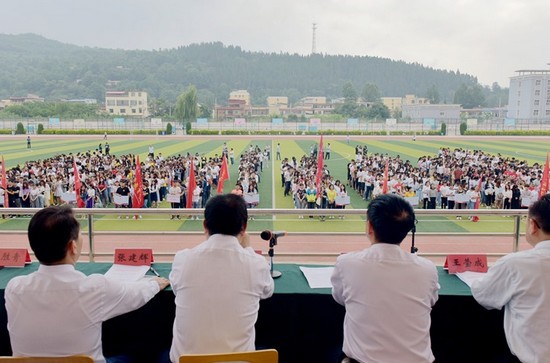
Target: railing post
[(517, 227), (91, 237)]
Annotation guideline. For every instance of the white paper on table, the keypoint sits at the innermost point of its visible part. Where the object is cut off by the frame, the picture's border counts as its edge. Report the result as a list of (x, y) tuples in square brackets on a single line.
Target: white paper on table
[(470, 276), (127, 272), (318, 277)]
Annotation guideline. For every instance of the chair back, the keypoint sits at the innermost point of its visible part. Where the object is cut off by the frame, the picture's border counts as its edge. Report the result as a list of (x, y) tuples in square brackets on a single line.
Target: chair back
[(257, 356), (70, 359)]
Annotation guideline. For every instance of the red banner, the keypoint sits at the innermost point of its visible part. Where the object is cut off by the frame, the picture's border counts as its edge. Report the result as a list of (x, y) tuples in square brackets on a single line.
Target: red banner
[(77, 186), (5, 184), (320, 158), (224, 175), (138, 199), (545, 180), (191, 184)]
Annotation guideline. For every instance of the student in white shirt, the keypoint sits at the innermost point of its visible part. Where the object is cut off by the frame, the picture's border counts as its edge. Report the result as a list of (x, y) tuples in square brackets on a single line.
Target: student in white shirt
[(57, 310)]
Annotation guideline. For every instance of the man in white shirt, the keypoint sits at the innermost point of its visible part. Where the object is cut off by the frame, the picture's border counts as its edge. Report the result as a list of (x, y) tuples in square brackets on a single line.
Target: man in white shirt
[(519, 283), (218, 284), (57, 310), (388, 293)]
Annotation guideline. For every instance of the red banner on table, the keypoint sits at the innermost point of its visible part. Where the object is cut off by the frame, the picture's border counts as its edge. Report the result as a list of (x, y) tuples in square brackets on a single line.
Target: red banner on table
[(134, 256), (14, 257), (461, 263)]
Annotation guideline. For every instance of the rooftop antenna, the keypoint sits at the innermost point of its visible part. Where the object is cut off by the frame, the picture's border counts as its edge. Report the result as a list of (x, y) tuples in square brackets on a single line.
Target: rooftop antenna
[(313, 40)]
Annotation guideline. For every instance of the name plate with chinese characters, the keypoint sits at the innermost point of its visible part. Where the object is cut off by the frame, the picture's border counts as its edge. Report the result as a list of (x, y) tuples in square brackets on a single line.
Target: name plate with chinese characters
[(134, 256), (461, 263)]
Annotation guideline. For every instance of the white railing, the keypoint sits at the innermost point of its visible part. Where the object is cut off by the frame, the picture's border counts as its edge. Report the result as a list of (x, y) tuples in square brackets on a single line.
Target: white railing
[(89, 214)]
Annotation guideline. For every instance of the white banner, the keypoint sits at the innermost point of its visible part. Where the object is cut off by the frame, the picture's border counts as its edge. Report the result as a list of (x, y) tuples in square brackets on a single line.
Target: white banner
[(461, 198), (412, 200), (252, 198), (68, 197), (121, 199), (527, 201), (342, 200), (173, 198), (156, 122)]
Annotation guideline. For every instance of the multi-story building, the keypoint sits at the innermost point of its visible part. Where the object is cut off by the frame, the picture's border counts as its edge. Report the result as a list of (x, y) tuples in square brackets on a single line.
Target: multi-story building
[(127, 103), (529, 95), (240, 95), (392, 103), (277, 105), (413, 100), (441, 112)]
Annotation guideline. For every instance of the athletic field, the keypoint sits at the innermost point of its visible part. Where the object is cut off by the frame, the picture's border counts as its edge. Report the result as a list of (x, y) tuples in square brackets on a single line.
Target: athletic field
[(14, 150)]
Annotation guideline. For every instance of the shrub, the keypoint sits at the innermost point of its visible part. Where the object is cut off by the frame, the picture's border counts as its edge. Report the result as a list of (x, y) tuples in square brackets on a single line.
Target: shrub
[(168, 128), (40, 129), (463, 128), (20, 130), (188, 127), (443, 128)]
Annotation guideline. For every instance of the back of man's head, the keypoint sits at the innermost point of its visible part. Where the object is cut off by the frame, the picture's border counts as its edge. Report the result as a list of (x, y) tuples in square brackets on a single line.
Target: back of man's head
[(225, 214), (540, 212), (391, 217), (50, 231)]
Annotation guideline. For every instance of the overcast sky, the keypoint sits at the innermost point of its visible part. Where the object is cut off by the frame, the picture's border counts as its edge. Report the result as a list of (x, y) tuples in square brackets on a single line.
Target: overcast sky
[(489, 39)]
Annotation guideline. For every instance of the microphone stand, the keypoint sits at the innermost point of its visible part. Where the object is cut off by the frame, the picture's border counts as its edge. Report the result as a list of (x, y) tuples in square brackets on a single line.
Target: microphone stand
[(272, 243), (413, 248)]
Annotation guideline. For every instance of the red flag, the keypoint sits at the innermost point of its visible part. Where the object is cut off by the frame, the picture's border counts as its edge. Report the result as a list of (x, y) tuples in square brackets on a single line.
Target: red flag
[(224, 175), (545, 179), (138, 199), (320, 158), (77, 186), (5, 184), (385, 182), (191, 185), (478, 199)]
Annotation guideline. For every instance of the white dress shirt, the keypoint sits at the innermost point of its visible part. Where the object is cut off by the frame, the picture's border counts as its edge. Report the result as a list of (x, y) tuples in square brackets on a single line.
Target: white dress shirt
[(218, 287), (519, 282), (58, 311), (388, 295)]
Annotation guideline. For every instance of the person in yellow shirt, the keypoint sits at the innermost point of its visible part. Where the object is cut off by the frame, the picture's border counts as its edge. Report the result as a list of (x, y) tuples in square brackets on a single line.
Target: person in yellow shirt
[(331, 198)]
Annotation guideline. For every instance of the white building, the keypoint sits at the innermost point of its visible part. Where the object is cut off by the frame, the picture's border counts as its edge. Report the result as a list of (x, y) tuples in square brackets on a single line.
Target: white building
[(529, 96), (126, 103)]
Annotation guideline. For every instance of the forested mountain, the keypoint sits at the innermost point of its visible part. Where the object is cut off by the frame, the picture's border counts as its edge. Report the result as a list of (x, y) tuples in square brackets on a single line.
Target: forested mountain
[(53, 70)]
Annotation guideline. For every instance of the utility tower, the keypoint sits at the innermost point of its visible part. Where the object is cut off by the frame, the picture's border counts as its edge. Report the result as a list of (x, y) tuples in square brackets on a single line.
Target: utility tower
[(313, 40)]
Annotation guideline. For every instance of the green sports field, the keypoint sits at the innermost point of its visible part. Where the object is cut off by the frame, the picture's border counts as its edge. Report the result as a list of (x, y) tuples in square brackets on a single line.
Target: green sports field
[(14, 151)]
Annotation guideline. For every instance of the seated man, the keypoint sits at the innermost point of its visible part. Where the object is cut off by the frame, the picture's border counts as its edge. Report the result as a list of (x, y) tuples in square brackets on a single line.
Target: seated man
[(218, 284), (388, 293), (519, 282), (57, 310)]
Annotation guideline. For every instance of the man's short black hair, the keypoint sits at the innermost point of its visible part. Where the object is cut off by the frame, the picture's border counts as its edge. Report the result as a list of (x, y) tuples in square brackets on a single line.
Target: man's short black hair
[(50, 231), (392, 217), (540, 212), (225, 214)]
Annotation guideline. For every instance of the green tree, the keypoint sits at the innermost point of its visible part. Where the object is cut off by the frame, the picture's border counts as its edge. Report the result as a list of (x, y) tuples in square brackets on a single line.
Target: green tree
[(433, 95), (469, 96), (378, 110), (20, 129), (349, 93), (370, 93), (186, 106), (463, 128)]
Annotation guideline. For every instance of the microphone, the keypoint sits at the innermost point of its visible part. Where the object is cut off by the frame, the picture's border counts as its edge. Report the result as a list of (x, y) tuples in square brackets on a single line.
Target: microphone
[(267, 235)]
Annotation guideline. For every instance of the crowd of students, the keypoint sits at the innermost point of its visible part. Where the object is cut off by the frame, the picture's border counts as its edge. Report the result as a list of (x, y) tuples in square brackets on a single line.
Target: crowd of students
[(51, 181), (453, 179)]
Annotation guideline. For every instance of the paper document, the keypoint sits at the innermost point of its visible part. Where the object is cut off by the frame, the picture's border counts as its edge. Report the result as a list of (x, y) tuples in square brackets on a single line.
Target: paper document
[(318, 277), (470, 276), (126, 272)]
